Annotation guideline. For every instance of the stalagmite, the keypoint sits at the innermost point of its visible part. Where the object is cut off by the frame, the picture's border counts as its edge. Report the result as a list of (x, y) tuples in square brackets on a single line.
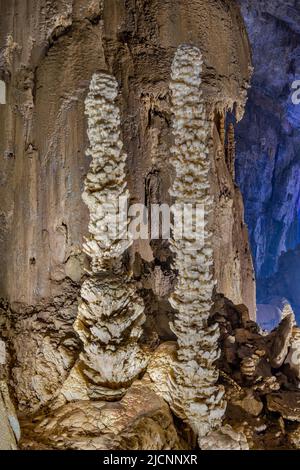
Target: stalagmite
[(192, 391), (111, 312)]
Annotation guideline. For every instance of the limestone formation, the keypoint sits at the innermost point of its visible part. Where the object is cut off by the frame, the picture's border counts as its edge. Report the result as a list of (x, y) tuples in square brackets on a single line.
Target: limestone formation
[(9, 425), (222, 129), (114, 344), (141, 420), (2, 92), (262, 401), (281, 342), (111, 313), (225, 438), (195, 397), (2, 353), (45, 342), (285, 403), (10, 432), (105, 184)]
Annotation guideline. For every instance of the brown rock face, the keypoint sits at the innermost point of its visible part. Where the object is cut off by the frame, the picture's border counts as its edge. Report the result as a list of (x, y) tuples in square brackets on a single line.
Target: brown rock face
[(9, 426), (47, 62), (285, 403), (141, 420), (43, 138)]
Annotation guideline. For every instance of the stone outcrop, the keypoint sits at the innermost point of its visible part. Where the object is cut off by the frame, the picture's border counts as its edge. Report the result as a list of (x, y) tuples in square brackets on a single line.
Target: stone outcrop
[(225, 439), (9, 425), (10, 432), (45, 348), (281, 341), (285, 403), (141, 420), (262, 407), (262, 395)]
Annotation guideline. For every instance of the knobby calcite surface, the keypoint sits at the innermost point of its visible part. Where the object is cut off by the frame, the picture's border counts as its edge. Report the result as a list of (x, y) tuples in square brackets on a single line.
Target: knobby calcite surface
[(193, 394), (111, 312)]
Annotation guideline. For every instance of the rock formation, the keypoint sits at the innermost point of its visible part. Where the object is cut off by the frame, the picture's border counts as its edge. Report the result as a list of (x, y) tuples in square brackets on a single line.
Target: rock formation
[(141, 420), (194, 394), (9, 425), (261, 391), (114, 343), (111, 312)]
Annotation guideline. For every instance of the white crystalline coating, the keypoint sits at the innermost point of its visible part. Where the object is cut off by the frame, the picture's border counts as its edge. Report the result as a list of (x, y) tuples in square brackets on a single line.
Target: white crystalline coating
[(2, 92), (109, 323), (224, 438), (2, 353), (111, 313), (195, 397), (106, 180)]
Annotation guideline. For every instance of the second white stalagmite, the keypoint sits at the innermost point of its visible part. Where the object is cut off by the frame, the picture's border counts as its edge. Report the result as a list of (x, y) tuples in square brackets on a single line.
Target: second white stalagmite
[(191, 387)]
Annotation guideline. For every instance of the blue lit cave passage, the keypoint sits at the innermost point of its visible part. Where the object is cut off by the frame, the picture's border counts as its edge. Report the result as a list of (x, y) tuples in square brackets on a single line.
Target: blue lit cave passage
[(268, 155)]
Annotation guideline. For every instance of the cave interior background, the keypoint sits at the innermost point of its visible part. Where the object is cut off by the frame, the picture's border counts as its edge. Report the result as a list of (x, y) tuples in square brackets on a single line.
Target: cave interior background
[(268, 149)]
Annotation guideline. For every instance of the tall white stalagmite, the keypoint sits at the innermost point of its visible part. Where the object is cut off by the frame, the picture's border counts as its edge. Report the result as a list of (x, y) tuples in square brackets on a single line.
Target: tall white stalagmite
[(195, 396), (111, 312)]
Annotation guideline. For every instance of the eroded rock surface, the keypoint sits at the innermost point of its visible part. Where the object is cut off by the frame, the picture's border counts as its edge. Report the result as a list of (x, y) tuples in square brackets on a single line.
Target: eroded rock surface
[(10, 432), (262, 395), (285, 403), (9, 425), (141, 420)]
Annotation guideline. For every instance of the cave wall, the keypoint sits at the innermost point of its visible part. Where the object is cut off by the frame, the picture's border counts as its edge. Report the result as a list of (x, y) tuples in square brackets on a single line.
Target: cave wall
[(49, 52), (47, 62), (268, 147)]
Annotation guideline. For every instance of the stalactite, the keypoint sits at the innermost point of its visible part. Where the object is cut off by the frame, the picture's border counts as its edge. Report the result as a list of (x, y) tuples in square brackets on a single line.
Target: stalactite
[(110, 313), (195, 397), (230, 150)]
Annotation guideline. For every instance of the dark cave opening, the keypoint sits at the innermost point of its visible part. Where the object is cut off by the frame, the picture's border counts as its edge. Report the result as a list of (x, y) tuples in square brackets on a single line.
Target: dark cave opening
[(268, 155)]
